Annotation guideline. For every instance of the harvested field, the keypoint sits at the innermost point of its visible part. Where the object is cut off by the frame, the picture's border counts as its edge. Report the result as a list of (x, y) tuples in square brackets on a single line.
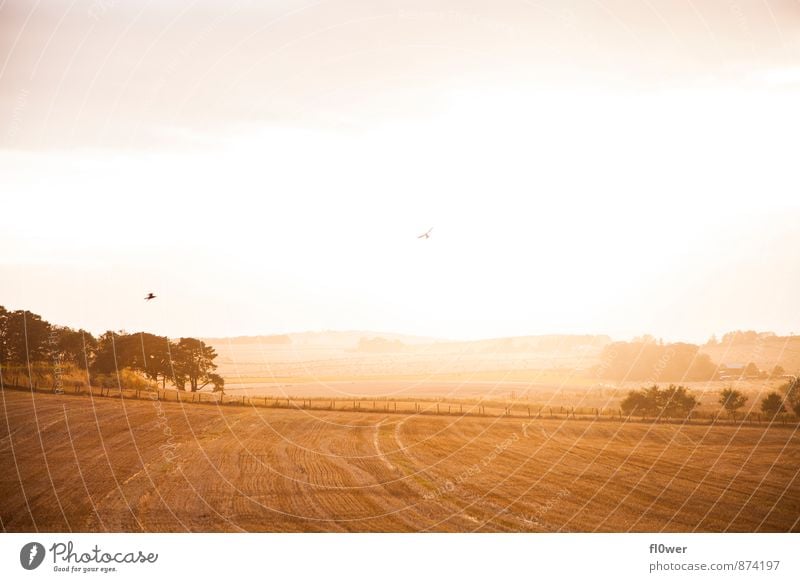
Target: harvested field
[(81, 463)]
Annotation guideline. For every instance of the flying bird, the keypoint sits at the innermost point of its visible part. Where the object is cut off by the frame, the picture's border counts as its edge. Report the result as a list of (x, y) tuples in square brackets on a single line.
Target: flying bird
[(426, 234), (149, 296)]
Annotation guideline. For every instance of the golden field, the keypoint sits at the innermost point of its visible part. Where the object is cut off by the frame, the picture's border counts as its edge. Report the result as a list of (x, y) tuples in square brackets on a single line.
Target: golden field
[(84, 463)]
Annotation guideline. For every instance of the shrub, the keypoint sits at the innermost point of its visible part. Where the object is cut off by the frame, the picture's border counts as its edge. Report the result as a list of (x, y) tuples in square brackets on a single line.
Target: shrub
[(772, 404), (674, 401)]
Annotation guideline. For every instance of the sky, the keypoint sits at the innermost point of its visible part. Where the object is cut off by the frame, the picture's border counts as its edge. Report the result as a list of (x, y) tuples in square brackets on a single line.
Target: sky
[(609, 167)]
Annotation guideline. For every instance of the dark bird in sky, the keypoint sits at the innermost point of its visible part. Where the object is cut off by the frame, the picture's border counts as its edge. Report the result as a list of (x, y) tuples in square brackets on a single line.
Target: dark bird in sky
[(426, 234), (149, 296)]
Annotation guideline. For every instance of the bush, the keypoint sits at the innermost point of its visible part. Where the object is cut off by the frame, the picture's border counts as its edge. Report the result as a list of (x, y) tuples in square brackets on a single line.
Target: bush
[(791, 391), (672, 402), (732, 400), (772, 404)]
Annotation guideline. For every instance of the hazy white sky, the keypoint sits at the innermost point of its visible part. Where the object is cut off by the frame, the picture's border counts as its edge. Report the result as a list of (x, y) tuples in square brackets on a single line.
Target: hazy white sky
[(616, 168)]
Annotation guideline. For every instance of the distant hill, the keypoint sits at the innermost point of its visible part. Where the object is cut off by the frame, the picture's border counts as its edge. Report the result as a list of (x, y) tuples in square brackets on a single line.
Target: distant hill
[(531, 344), (365, 340), (764, 349), (324, 339)]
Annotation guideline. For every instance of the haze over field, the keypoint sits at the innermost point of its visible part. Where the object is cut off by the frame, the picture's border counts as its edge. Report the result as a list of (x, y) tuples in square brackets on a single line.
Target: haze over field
[(587, 168)]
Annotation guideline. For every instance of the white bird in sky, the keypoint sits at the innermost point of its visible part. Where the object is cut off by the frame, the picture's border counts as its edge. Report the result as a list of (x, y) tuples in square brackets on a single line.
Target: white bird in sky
[(426, 234)]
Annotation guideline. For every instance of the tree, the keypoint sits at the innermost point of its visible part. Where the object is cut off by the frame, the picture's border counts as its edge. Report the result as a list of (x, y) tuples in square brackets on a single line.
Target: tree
[(636, 402), (25, 338), (791, 391), (732, 400), (671, 402), (777, 372), (115, 352), (193, 362), (76, 347), (676, 401), (772, 404), (152, 358), (751, 370), (646, 358), (218, 382)]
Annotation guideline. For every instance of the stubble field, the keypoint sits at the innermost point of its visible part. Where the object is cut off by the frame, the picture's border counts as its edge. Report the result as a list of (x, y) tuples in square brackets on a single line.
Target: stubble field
[(78, 463)]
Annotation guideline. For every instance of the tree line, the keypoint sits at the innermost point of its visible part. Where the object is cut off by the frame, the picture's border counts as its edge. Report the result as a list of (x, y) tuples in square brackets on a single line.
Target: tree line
[(677, 402), (651, 360), (36, 349)]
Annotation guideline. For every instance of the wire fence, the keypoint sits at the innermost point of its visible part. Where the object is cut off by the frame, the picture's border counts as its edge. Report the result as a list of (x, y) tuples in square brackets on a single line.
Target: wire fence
[(406, 406)]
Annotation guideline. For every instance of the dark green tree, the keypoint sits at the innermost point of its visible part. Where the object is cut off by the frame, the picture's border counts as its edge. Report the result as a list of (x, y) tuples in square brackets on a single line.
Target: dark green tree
[(732, 400), (791, 391), (151, 357), (193, 362), (676, 401), (25, 338), (115, 351), (772, 404), (76, 347)]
